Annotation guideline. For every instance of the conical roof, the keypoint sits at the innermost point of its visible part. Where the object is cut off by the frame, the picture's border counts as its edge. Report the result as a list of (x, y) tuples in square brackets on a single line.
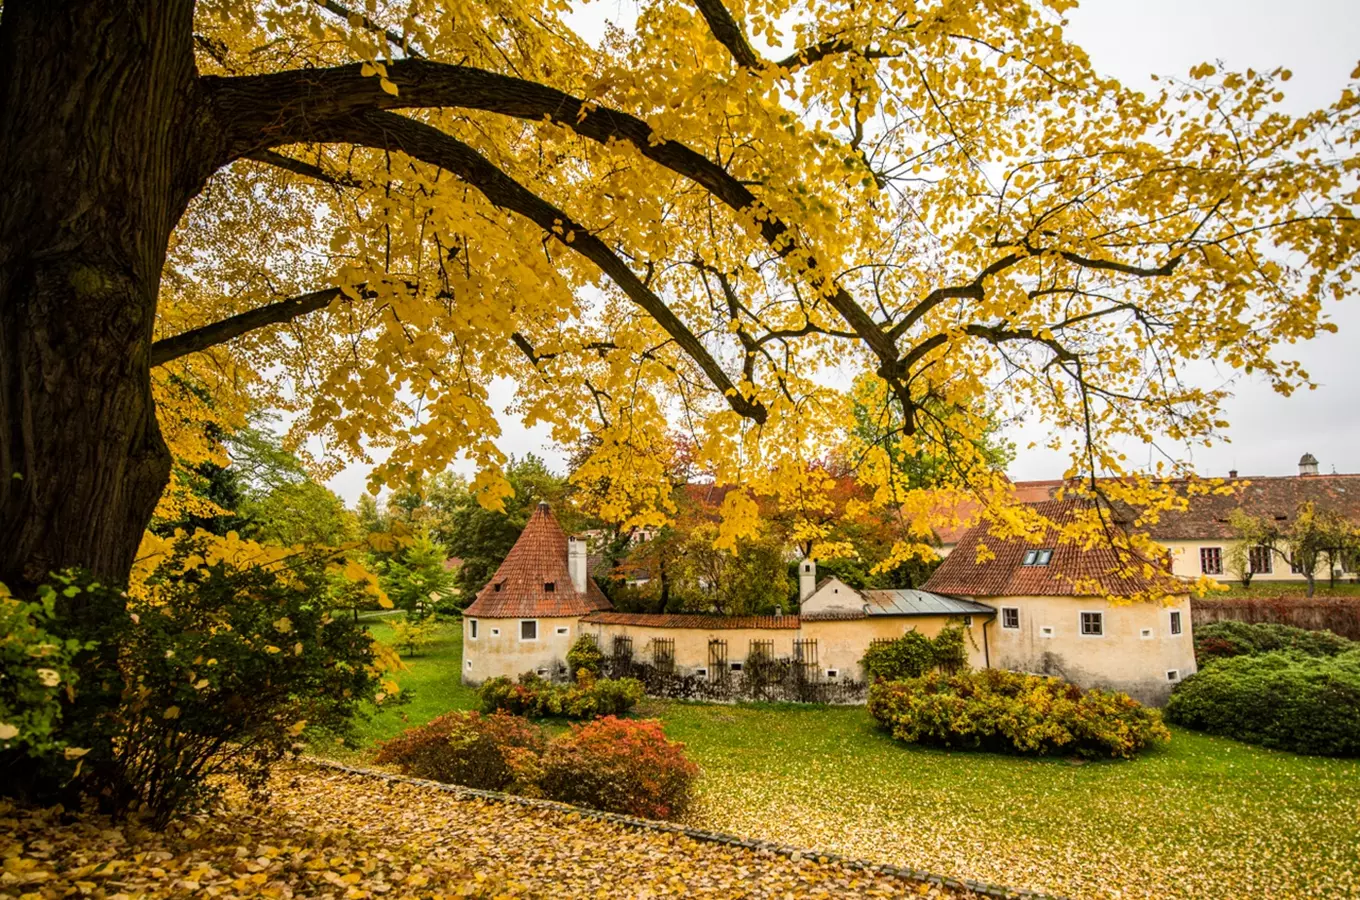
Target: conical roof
[(534, 581)]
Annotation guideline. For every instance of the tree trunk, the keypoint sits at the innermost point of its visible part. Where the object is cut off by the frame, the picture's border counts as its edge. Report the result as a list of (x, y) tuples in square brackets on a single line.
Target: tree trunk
[(96, 132)]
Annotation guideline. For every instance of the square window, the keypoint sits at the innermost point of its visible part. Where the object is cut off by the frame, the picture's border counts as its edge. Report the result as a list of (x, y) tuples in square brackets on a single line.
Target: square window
[(563, 630), (1175, 621), (1211, 560), (528, 630), (1093, 624), (472, 629), (549, 587), (1010, 617), (496, 587), (1173, 674)]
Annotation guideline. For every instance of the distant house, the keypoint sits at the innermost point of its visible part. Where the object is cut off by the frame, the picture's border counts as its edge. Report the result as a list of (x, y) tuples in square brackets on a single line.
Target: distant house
[(1059, 611)]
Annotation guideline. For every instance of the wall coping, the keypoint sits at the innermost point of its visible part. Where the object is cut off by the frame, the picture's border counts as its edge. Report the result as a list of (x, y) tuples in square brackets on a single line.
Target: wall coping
[(982, 889)]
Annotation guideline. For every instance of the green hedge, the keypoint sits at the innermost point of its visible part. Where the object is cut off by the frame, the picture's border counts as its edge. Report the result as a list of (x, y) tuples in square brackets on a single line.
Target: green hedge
[(587, 698), (1010, 712), (913, 655), (1221, 640), (1284, 700)]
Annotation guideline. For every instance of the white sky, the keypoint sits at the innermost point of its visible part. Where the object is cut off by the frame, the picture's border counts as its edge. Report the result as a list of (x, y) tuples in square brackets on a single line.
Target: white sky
[(1319, 40)]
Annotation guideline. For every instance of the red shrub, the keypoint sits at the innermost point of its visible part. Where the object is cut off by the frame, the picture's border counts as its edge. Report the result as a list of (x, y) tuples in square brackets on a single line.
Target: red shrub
[(497, 752), (620, 765)]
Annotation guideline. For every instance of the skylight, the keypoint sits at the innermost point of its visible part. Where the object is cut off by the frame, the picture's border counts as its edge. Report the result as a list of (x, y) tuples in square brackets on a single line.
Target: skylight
[(1037, 557)]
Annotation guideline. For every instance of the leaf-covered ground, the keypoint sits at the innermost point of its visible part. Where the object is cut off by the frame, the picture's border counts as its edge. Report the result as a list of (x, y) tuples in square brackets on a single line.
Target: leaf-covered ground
[(329, 834), (1203, 818)]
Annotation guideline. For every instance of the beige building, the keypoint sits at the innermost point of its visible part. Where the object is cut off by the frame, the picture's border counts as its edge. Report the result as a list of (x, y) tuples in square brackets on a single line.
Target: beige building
[(1019, 612), (1060, 611)]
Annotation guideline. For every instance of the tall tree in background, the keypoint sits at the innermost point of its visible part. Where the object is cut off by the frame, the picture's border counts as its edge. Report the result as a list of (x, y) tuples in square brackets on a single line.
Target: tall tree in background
[(373, 213)]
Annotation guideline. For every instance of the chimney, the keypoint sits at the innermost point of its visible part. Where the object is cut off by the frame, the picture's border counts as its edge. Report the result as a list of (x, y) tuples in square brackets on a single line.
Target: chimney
[(1232, 473), (577, 562), (1308, 465), (807, 578)]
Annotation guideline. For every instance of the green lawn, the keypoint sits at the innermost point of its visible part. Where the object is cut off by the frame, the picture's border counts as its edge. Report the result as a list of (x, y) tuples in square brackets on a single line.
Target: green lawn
[(1204, 817), (1271, 589)]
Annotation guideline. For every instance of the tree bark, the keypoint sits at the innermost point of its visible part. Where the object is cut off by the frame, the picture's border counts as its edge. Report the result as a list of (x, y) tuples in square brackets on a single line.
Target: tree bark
[(97, 114)]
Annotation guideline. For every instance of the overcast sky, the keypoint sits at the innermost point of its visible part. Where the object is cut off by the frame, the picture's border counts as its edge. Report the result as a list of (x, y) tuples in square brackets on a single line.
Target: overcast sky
[(1319, 40)]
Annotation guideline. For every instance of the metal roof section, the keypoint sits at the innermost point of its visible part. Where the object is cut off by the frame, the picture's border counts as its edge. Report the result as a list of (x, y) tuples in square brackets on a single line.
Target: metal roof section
[(905, 602)]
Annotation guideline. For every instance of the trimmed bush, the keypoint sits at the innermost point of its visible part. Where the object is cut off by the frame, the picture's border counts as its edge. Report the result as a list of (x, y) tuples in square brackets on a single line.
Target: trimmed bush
[(1010, 712), (1222, 640), (534, 697), (585, 655), (620, 765), (913, 655), (496, 753), (1288, 701)]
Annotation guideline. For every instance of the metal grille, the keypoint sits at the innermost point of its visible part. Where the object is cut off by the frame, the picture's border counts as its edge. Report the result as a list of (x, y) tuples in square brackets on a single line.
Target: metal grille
[(663, 654), (717, 660), (623, 647), (761, 649)]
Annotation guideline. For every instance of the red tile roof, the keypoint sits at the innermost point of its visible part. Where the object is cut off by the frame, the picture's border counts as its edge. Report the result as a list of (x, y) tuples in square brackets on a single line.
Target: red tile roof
[(1072, 571), (670, 620), (1269, 497), (519, 587), (964, 514)]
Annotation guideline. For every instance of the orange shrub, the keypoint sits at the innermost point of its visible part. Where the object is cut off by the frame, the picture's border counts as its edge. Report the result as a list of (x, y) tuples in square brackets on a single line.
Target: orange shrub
[(620, 765), (497, 752)]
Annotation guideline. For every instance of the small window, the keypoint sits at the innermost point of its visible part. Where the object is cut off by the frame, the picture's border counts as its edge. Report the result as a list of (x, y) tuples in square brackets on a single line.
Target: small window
[(496, 588), (1295, 568), (563, 630), (1173, 674), (736, 667), (472, 629), (1010, 617), (1037, 557), (701, 673), (1259, 560), (1046, 631), (1145, 634), (1093, 624), (1175, 621), (833, 673), (549, 587), (1211, 560), (528, 630), (541, 672), (967, 621), (495, 632), (469, 664)]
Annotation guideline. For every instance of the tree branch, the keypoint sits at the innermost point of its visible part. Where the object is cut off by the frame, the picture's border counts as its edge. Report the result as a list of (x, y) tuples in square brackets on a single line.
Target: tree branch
[(305, 169), (198, 339), (729, 33), (389, 131)]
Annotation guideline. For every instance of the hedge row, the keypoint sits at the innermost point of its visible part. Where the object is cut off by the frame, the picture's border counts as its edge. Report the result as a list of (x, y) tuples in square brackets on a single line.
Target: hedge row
[(992, 709), (1220, 640), (533, 696)]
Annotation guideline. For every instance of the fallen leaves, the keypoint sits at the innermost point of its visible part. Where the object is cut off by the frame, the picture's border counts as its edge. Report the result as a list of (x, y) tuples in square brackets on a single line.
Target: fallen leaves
[(329, 834)]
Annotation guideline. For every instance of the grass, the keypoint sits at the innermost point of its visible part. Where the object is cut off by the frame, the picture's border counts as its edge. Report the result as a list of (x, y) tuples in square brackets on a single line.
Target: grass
[(1202, 817), (1299, 589)]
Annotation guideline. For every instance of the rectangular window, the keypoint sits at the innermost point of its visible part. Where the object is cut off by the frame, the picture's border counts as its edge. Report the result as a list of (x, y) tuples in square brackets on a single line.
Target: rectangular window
[(563, 630), (1046, 631), (528, 630), (1145, 634), (1093, 624), (1259, 559), (1175, 621), (472, 629), (736, 667), (1295, 568), (1037, 557), (549, 587), (495, 632), (1010, 617), (832, 673), (1211, 560)]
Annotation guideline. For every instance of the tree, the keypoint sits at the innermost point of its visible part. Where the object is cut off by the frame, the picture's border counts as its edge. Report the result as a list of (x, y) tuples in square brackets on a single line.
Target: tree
[(1309, 537), (279, 500), (372, 214), (415, 576)]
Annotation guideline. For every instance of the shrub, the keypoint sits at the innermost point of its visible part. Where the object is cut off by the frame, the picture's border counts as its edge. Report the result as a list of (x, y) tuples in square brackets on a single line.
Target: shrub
[(413, 632), (1220, 640), (36, 670), (533, 696), (620, 765), (215, 671), (585, 655), (992, 709), (497, 753), (913, 655), (1284, 700)]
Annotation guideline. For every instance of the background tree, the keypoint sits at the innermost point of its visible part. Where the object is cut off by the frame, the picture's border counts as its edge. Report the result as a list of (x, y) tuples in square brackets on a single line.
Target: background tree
[(371, 215), (415, 578), (1302, 543)]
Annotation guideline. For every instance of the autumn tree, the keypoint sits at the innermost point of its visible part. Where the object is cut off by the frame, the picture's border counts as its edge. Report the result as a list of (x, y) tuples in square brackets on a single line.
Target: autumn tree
[(1301, 542), (368, 215)]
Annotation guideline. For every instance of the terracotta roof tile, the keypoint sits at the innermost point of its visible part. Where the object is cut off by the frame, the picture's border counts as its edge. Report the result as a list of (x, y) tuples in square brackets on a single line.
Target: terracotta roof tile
[(519, 589), (671, 620), (1072, 571), (1269, 497)]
